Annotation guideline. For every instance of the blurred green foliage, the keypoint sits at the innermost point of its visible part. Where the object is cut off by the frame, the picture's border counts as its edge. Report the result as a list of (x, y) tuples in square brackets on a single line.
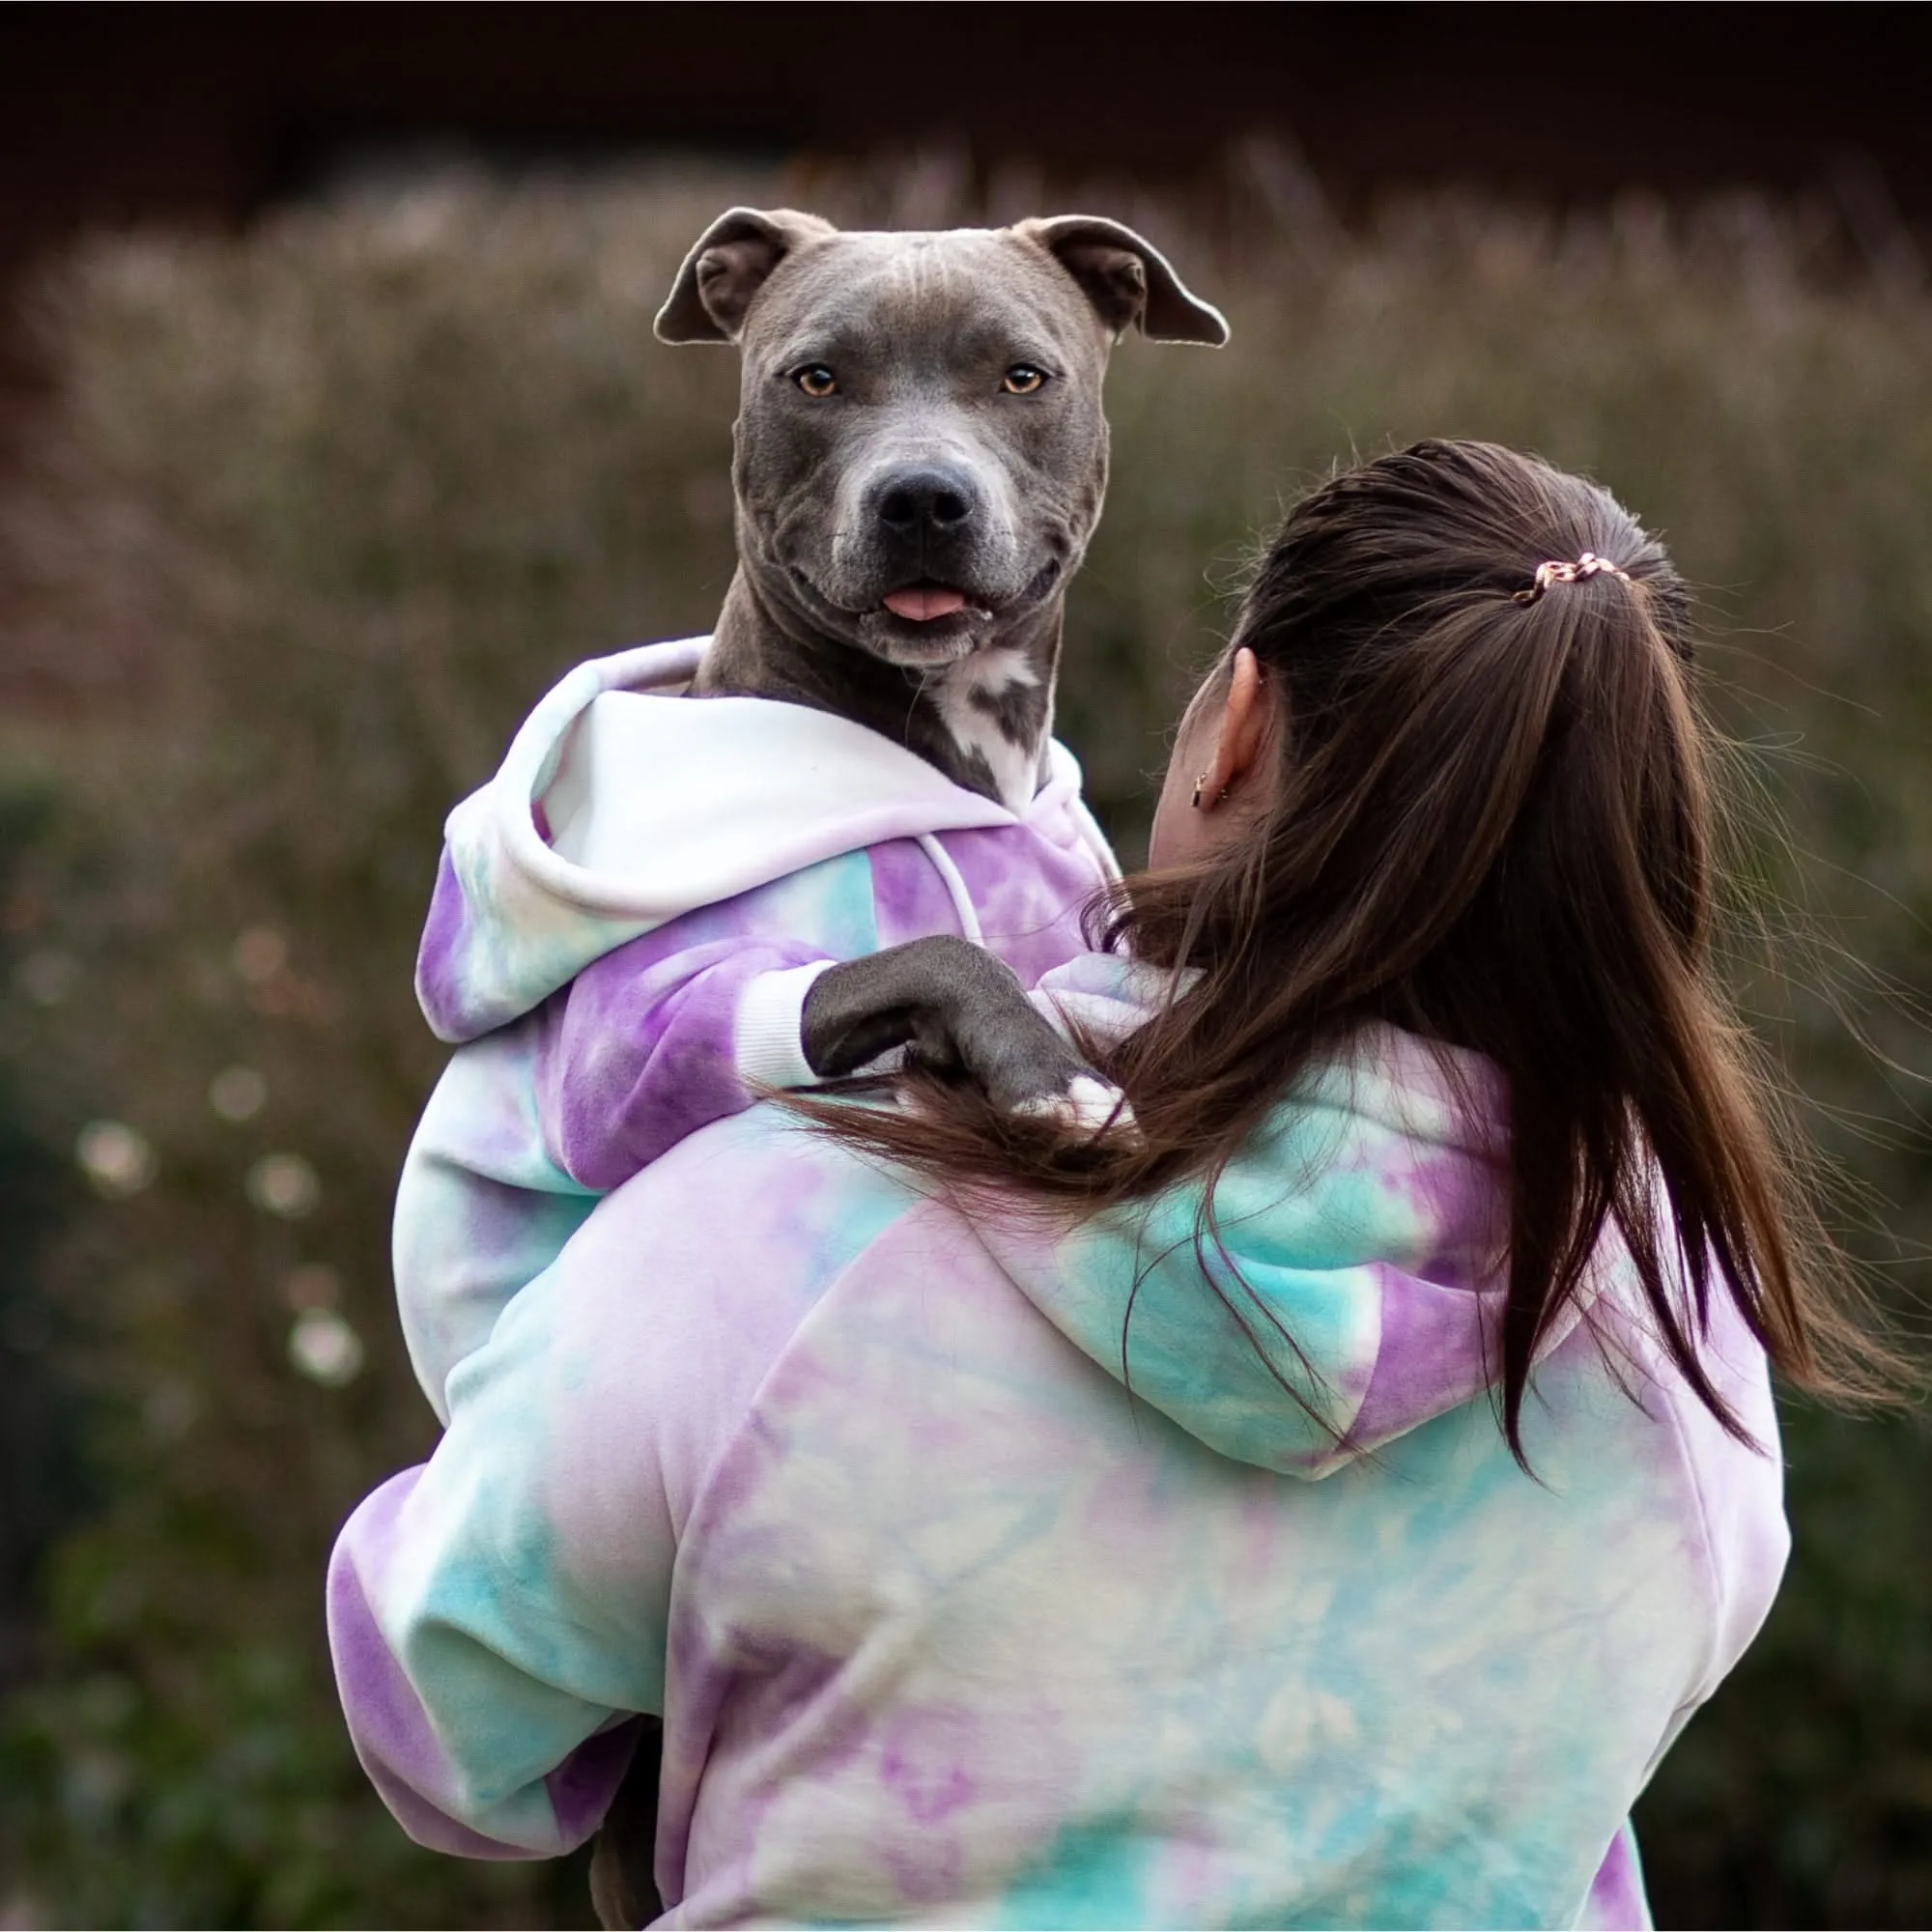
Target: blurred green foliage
[(40, 1428), (319, 512)]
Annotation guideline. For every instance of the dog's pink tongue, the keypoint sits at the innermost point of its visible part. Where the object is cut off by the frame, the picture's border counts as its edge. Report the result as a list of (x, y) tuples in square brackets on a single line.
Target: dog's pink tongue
[(920, 606)]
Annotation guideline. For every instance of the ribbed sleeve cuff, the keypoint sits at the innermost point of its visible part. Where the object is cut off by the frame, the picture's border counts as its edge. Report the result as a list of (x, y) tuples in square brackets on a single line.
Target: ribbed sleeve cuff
[(765, 1031)]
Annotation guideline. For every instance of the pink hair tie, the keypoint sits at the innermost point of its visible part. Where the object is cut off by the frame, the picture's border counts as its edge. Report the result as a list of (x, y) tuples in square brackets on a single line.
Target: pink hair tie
[(1589, 564)]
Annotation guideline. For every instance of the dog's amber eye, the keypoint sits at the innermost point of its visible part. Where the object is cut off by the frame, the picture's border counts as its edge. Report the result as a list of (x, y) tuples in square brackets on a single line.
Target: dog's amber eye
[(817, 380), (1022, 380)]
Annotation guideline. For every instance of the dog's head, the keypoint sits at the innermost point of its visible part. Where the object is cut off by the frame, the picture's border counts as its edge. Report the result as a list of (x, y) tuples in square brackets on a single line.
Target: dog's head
[(920, 449)]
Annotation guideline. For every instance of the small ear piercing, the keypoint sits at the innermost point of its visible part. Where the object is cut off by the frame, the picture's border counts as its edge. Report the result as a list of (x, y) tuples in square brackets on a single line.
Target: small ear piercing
[(1201, 786)]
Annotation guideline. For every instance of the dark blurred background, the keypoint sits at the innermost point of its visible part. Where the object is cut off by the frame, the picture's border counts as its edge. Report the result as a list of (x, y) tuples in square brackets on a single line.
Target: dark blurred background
[(213, 115), (332, 431)]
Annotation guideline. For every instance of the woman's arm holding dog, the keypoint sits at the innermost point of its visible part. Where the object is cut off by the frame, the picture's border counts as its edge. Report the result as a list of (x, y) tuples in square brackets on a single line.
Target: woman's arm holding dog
[(485, 1646)]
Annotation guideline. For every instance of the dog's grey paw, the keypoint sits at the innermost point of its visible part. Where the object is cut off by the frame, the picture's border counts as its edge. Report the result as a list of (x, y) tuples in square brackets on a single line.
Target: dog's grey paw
[(1090, 1105)]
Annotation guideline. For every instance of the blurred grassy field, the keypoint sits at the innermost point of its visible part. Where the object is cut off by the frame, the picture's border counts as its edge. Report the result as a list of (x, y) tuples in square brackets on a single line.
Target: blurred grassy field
[(315, 517)]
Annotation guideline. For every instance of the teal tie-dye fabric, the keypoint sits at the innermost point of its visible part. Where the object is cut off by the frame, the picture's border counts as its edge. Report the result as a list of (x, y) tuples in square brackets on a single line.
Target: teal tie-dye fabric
[(958, 1610)]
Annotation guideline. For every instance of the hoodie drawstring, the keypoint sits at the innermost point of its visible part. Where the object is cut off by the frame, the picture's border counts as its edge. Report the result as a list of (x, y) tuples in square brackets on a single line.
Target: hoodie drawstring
[(956, 886)]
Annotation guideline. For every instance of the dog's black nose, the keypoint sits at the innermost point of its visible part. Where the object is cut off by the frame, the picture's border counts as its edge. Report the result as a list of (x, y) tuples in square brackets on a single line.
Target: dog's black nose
[(927, 501)]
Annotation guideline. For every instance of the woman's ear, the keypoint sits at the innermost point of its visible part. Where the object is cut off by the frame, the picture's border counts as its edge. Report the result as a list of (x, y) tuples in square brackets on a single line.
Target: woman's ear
[(1244, 731)]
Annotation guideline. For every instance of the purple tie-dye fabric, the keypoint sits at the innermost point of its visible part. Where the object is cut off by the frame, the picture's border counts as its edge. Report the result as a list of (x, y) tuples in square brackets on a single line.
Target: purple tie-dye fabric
[(948, 1628)]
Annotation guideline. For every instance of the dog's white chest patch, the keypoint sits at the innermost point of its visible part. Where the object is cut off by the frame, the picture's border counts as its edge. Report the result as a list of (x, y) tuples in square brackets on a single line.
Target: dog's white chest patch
[(969, 708)]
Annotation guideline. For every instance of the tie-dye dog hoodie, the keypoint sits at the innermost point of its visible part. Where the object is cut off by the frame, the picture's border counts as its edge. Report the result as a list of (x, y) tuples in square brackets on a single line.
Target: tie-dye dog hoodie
[(987, 1571), (625, 923)]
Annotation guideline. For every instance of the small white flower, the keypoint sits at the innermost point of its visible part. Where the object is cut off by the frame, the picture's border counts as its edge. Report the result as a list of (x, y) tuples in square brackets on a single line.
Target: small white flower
[(284, 1184), (117, 1158), (238, 1093), (325, 1347)]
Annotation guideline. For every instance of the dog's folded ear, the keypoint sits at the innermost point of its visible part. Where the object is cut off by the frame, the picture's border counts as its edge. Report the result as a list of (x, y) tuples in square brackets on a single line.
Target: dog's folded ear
[(733, 261), (1126, 278)]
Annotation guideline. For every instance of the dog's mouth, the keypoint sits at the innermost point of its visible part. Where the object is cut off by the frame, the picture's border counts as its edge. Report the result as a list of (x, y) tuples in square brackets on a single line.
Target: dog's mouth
[(927, 602), (926, 615)]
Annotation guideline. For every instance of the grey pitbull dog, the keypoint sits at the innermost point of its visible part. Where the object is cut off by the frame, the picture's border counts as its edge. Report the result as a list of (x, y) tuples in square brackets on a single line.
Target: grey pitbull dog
[(919, 461), (920, 458)]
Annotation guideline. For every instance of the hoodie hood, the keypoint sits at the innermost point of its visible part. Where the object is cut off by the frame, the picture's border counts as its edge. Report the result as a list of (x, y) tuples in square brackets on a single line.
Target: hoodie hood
[(1367, 1221), (616, 810)]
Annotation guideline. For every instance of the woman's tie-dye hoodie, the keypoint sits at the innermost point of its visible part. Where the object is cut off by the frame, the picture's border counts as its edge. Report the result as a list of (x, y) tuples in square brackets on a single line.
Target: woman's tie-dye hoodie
[(625, 923), (987, 1572)]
